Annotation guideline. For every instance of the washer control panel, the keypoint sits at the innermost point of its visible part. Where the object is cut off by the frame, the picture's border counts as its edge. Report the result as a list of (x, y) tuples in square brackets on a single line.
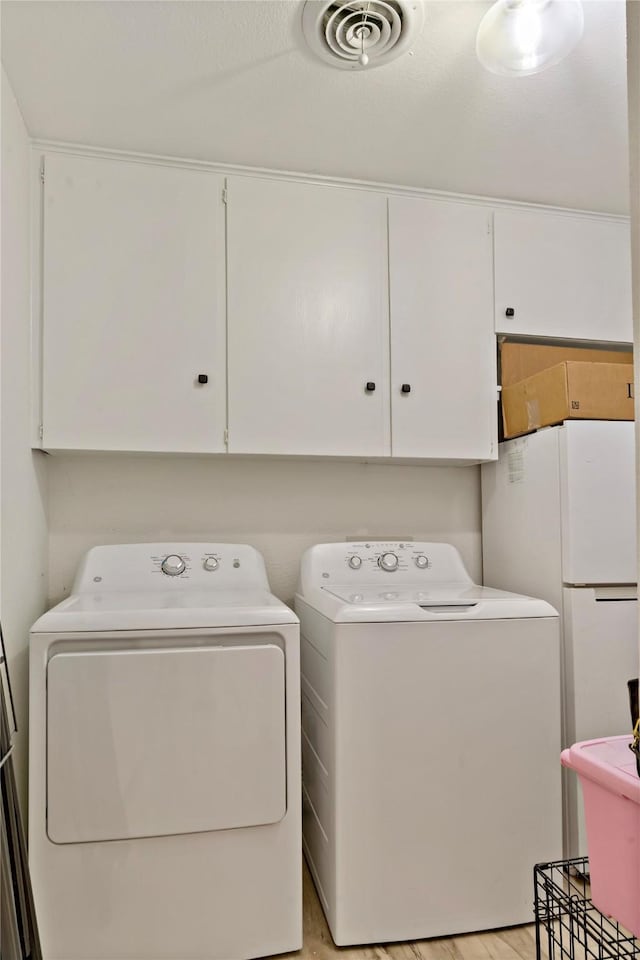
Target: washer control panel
[(372, 562), (403, 556), (188, 562), (175, 565), (171, 566)]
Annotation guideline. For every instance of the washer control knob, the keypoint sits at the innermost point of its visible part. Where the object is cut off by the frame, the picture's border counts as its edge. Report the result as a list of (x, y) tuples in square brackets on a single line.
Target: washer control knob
[(173, 565), (422, 562), (355, 562), (210, 563), (388, 561)]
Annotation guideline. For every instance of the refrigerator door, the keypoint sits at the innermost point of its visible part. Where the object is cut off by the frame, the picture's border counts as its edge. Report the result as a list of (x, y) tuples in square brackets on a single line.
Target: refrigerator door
[(600, 655), (597, 461)]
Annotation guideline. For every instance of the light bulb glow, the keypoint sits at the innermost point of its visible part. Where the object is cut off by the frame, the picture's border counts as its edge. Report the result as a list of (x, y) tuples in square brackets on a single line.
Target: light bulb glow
[(527, 33), (522, 37)]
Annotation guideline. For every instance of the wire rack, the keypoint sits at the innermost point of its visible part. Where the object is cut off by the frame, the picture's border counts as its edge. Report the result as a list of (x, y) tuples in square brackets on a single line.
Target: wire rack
[(568, 926)]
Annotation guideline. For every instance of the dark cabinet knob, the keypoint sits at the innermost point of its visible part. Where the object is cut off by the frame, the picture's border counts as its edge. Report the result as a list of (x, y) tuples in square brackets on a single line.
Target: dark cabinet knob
[(370, 387), (509, 312), (406, 388), (203, 378)]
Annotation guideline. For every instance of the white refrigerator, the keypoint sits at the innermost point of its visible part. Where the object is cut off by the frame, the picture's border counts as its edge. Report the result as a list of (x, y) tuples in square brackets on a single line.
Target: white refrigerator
[(559, 523)]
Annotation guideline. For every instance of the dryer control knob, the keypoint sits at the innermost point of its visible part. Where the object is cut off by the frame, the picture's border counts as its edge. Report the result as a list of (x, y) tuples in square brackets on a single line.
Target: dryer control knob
[(210, 563), (388, 561), (422, 561), (173, 565), (355, 562)]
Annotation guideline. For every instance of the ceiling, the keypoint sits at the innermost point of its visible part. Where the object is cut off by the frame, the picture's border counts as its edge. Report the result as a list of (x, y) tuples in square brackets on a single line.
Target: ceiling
[(231, 81)]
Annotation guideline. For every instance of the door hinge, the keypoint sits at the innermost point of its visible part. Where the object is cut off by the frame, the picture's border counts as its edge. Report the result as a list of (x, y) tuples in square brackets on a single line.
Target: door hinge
[(225, 195), (41, 431), (226, 438), (42, 174)]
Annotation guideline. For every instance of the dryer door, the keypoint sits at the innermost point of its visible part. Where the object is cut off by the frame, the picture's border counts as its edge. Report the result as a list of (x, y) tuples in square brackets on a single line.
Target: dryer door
[(150, 742)]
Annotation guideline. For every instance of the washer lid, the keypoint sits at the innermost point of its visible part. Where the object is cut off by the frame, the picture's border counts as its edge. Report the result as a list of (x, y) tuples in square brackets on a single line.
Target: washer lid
[(387, 581), (170, 610), (411, 603), (441, 594)]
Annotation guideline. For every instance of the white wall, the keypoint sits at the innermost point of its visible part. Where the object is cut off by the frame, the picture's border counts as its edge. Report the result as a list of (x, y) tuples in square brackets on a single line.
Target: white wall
[(279, 506), (23, 521)]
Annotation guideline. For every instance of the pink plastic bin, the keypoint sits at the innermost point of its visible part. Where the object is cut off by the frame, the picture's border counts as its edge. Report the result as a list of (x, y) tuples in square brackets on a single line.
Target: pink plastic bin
[(611, 790)]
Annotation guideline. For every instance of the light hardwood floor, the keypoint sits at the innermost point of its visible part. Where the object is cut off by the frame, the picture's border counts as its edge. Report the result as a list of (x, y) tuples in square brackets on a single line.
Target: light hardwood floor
[(515, 943)]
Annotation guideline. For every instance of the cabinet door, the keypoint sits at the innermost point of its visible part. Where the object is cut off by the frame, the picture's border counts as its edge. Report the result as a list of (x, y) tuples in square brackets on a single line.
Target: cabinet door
[(307, 319), (133, 307), (443, 348), (562, 276)]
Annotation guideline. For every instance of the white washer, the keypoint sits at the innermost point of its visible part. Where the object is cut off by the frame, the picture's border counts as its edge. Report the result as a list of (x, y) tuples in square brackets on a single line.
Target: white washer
[(430, 742), (164, 808)]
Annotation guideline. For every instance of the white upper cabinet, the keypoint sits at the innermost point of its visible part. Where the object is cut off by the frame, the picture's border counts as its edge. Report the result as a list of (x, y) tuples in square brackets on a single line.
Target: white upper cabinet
[(564, 276), (308, 354), (443, 347), (133, 307), (299, 319)]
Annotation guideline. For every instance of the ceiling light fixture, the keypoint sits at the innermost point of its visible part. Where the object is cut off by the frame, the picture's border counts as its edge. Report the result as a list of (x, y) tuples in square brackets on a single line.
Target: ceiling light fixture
[(517, 38)]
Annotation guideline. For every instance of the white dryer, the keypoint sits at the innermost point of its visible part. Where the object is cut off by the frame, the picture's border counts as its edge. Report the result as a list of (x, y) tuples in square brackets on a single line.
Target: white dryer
[(430, 742), (164, 814)]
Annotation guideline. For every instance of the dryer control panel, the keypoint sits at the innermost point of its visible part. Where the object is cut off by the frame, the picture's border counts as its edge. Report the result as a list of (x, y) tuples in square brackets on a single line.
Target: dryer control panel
[(375, 561), (171, 566)]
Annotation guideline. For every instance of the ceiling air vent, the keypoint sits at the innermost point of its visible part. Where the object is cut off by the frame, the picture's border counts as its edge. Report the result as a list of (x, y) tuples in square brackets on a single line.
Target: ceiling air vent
[(363, 33)]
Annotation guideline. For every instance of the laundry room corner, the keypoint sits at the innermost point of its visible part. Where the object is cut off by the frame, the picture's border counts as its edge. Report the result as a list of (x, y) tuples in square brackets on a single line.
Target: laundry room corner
[(23, 475)]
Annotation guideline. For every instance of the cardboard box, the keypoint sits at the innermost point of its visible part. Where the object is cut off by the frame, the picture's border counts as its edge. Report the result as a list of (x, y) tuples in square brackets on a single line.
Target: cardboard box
[(521, 360), (573, 389)]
